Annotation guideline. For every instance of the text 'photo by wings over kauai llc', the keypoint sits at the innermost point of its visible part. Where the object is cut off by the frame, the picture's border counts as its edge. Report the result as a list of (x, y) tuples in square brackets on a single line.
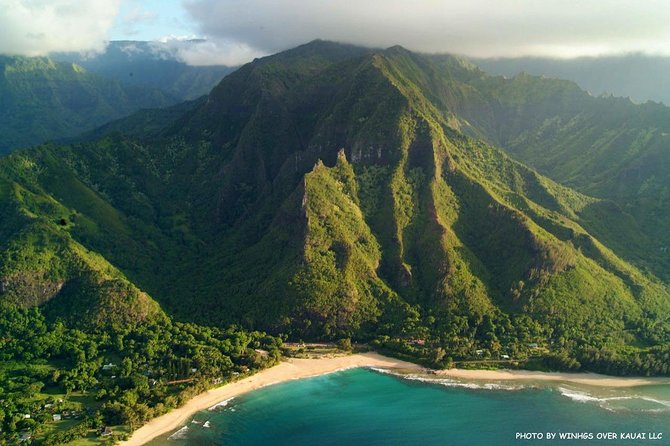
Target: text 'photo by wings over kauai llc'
[(299, 222)]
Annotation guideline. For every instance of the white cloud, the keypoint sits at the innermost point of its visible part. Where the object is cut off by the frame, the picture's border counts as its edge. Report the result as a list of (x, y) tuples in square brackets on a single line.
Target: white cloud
[(139, 14), (135, 18), (561, 28), (37, 27), (191, 50), (212, 52)]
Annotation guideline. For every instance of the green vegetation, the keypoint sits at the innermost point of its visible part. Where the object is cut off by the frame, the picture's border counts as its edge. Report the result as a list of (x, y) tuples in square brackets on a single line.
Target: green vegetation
[(605, 147), (332, 193), (59, 384), (42, 100), (152, 65)]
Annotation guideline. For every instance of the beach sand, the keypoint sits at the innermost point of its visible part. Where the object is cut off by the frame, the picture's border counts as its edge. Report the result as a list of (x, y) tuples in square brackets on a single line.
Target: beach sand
[(294, 368), (589, 379)]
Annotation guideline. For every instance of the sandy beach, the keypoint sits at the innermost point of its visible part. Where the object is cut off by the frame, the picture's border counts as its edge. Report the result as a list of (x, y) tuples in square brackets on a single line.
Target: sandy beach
[(590, 379), (294, 368)]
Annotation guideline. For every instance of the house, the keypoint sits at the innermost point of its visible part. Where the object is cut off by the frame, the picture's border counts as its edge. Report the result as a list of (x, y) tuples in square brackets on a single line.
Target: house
[(56, 417), (479, 352), (109, 366), (25, 436), (504, 356), (26, 416), (106, 431), (533, 345)]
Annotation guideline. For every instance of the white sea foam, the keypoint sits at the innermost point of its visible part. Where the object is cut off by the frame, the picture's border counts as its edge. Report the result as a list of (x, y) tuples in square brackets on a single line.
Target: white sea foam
[(609, 402), (385, 371), (206, 424), (180, 434), (606, 402), (341, 369), (576, 395), (223, 403), (448, 382), (653, 400)]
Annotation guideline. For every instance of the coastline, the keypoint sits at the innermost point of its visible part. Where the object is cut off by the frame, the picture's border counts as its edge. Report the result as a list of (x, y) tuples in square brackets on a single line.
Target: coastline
[(298, 368), (589, 379), (292, 368)]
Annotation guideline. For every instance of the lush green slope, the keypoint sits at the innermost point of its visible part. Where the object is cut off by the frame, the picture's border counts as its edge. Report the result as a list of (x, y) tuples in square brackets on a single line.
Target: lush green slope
[(330, 192), (41, 99), (605, 147), (638, 76)]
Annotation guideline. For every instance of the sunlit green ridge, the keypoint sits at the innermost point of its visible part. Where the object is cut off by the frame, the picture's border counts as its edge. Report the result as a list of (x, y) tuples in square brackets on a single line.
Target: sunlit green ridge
[(331, 192)]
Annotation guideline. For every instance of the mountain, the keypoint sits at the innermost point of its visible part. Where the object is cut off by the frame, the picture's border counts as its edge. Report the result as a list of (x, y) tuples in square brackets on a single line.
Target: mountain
[(41, 99), (605, 147), (331, 191), (638, 76), (151, 64)]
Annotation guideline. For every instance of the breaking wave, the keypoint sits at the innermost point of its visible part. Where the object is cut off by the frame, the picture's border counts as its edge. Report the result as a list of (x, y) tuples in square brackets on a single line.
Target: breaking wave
[(180, 434), (448, 382), (615, 402), (223, 403), (631, 402)]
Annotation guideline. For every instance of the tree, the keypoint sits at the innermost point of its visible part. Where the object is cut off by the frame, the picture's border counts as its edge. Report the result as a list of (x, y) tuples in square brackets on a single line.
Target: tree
[(126, 367), (345, 344)]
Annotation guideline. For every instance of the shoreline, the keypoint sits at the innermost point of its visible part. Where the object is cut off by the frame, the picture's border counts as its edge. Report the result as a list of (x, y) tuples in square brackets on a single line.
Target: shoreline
[(298, 368), (583, 378), (292, 368)]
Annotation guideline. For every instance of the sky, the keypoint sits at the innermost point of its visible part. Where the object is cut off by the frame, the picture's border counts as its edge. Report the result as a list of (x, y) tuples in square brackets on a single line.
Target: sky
[(152, 20), (236, 31)]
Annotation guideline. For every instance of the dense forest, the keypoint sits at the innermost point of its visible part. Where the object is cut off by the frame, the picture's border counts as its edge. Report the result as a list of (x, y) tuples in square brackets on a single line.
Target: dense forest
[(330, 193), (58, 384), (41, 100)]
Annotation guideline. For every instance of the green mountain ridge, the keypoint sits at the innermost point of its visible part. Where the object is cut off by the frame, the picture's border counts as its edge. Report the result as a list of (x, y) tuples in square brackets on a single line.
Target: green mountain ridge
[(41, 99), (331, 191), (155, 65), (639, 76), (605, 147)]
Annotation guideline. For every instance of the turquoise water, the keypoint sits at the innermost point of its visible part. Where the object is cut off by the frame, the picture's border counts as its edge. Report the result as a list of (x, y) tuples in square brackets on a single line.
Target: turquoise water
[(367, 408)]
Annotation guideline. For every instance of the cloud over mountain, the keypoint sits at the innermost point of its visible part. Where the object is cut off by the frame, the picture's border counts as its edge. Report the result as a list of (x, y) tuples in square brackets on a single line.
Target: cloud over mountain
[(200, 52), (477, 28), (37, 27)]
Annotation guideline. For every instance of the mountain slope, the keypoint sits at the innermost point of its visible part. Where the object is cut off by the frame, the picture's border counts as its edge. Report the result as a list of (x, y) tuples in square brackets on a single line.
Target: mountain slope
[(327, 192), (605, 147), (41, 262), (638, 76), (151, 64), (41, 99)]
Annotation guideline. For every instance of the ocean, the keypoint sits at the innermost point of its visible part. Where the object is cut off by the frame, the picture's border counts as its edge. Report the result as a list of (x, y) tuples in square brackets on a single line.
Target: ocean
[(363, 407)]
